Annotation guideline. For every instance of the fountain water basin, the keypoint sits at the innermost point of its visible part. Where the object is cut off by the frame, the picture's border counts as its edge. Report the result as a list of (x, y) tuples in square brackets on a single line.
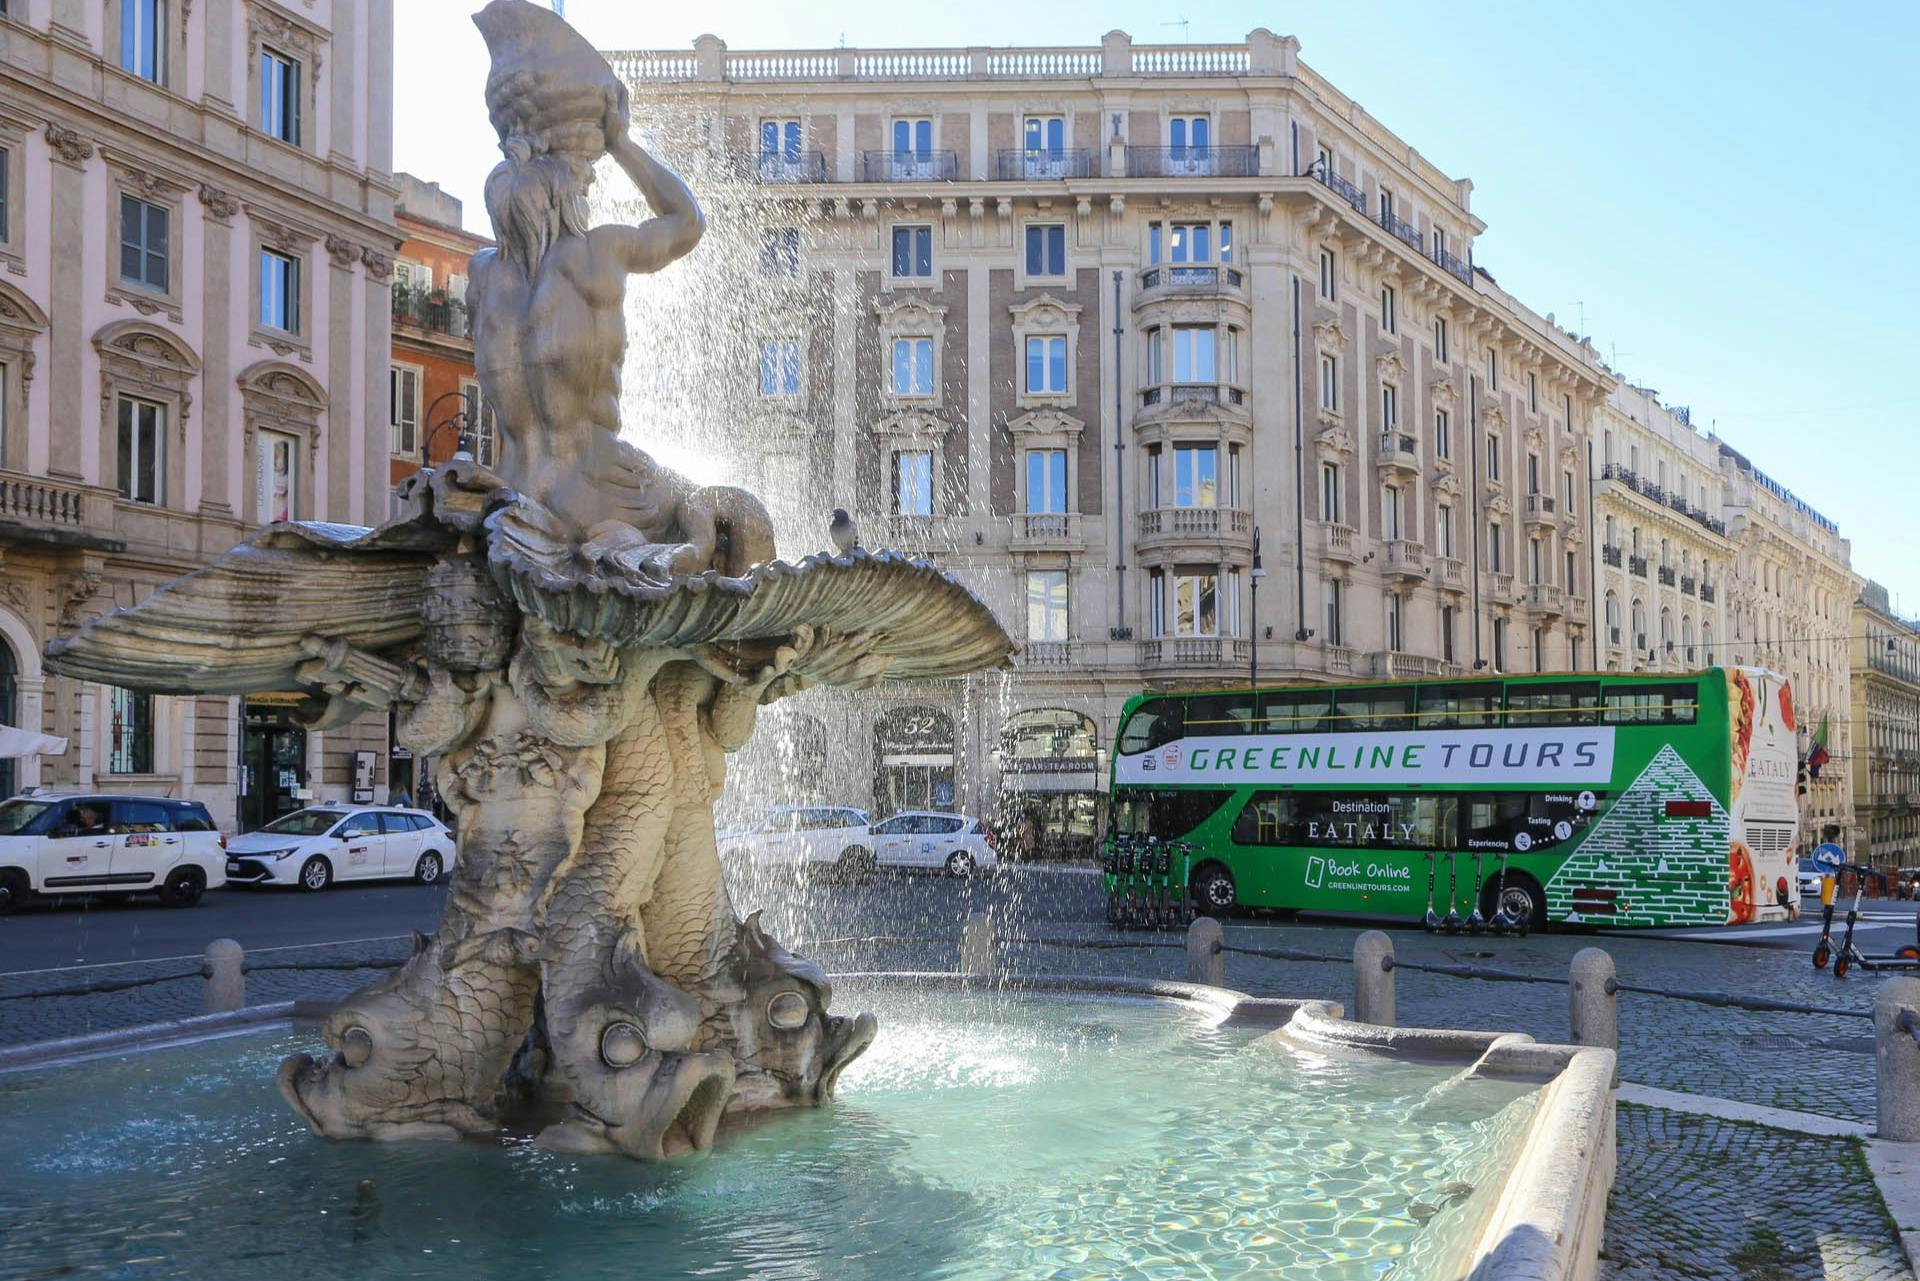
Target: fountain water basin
[(1066, 1128)]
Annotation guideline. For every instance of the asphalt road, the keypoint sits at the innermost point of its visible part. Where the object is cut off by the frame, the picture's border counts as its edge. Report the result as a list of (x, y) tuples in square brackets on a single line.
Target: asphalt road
[(53, 934)]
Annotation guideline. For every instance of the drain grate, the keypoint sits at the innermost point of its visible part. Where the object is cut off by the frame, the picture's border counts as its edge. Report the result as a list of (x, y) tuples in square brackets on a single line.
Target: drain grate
[(1844, 1044)]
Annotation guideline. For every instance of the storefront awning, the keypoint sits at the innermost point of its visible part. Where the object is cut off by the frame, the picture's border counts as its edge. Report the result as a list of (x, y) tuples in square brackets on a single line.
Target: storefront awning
[(20, 742)]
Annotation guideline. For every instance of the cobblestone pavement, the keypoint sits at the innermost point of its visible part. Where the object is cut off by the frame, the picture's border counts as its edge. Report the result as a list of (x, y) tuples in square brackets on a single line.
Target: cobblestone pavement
[(1699, 1197)]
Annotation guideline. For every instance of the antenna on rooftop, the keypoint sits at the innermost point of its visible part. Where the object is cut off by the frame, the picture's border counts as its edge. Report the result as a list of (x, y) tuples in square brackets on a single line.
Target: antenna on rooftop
[(1186, 29)]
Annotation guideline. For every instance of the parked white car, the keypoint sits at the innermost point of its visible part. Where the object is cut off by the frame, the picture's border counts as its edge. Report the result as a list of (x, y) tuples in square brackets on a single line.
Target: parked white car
[(79, 843), (933, 839), (316, 846), (811, 836)]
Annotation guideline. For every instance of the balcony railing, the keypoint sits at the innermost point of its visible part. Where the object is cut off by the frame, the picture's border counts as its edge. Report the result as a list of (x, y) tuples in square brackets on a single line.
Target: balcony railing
[(1678, 502), (1540, 506), (1020, 164), (1339, 540), (1450, 571), (433, 310), (1668, 575), (1545, 598), (1340, 658), (1398, 447), (1637, 566), (1393, 664), (1707, 592), (1610, 554), (908, 166), (1046, 653), (1406, 557), (1193, 393), (1200, 522), (1176, 275), (1613, 637), (1193, 651), (1050, 528), (1339, 186), (1459, 267), (1688, 584), (32, 500), (1239, 161), (1500, 584), (790, 166)]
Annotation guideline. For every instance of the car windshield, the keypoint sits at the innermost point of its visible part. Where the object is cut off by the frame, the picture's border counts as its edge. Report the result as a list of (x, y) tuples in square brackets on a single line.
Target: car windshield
[(17, 815), (304, 823)]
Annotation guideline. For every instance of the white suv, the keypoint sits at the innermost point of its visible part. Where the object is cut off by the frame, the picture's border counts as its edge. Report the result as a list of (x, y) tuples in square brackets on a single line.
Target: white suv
[(832, 836), (79, 843), (933, 839), (315, 847)]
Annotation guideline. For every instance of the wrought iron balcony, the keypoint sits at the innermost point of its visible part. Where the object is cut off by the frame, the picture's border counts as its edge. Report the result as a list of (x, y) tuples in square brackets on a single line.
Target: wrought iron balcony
[(790, 166), (1613, 637), (1676, 502), (1238, 161), (908, 166), (1668, 575), (1459, 267), (1339, 186), (1187, 277), (1406, 231), (434, 310), (1041, 164), (1610, 554), (1707, 592), (1637, 566), (1688, 584)]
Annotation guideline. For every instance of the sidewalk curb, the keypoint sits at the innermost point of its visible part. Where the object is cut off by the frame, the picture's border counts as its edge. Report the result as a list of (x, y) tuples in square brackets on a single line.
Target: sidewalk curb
[(145, 1036)]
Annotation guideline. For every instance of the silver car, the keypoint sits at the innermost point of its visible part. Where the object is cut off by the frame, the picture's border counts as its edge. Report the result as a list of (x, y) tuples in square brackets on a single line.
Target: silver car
[(933, 839)]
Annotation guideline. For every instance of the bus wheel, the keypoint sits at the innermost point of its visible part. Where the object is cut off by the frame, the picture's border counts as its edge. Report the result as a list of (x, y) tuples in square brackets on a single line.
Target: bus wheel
[(1214, 893), (1521, 899)]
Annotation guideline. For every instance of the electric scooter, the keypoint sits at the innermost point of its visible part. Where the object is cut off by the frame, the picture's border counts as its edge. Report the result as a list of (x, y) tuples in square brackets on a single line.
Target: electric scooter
[(1823, 950), (1501, 924), (1453, 922), (1477, 920), (1849, 955), (1433, 917)]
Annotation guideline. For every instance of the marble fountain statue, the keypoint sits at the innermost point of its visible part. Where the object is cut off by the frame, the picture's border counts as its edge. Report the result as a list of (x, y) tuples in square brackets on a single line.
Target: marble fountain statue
[(579, 637)]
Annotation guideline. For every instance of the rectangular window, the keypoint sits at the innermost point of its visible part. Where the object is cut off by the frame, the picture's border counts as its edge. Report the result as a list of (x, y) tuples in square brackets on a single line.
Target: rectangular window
[(1535, 565), (1566, 492), (1390, 506), (130, 731), (1533, 473), (403, 409), (1047, 604), (1440, 340), (1499, 644), (1533, 392), (6, 210), (1330, 611), (1189, 137), (1389, 407), (1493, 546), (1196, 480), (1154, 367), (1493, 456), (913, 137), (482, 430), (1196, 604), (1326, 274), (912, 367), (1443, 528), (780, 251), (1446, 642), (277, 485), (1442, 434), (1323, 160), (1294, 712), (1045, 139), (1573, 575), (1193, 354), (780, 367), (1152, 479), (1372, 709), (1046, 365), (1046, 481), (913, 482), (1329, 382), (143, 434), (1387, 309), (1493, 370), (1330, 492), (913, 253), (1649, 705), (143, 39), (279, 291), (780, 139), (1474, 706), (280, 96), (1046, 249), (1386, 204), (143, 244)]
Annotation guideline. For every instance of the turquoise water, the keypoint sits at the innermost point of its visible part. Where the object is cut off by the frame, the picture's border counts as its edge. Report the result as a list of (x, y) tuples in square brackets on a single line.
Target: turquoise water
[(981, 1137)]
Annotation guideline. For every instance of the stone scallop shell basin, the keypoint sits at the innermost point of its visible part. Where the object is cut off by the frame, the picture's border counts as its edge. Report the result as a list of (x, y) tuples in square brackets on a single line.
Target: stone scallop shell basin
[(1058, 1128)]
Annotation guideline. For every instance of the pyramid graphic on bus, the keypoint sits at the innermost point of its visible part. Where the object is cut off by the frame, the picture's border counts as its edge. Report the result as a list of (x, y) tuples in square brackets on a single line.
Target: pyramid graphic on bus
[(1640, 866)]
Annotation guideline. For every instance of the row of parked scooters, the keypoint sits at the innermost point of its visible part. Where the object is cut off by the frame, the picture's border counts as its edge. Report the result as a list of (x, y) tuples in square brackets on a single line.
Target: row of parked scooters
[(1502, 922), (1147, 883), (1848, 954)]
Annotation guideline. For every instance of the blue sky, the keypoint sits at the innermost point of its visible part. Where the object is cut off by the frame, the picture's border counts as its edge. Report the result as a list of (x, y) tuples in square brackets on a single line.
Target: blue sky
[(1723, 195)]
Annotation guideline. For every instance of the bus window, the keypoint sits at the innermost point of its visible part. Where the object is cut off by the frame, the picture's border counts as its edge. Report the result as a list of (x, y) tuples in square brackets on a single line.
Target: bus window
[(1168, 815), (1346, 820), (1295, 711), (1650, 704), (1154, 723), (1471, 706), (1575, 703), (1362, 709), (1212, 714)]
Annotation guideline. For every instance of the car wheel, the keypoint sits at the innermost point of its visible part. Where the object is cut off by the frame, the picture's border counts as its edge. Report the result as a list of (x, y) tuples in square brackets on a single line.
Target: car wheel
[(1214, 892), (316, 874), (960, 863), (427, 870), (15, 890), (1521, 898), (183, 887), (855, 865)]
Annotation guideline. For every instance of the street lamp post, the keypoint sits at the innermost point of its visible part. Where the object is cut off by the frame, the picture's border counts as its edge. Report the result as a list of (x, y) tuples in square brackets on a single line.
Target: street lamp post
[(457, 419), (1254, 576)]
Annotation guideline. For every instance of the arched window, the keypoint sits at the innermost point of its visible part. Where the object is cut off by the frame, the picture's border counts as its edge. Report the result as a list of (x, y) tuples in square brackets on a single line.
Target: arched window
[(1686, 637), (1666, 631), (1048, 734), (1613, 616), (1706, 643), (1639, 626)]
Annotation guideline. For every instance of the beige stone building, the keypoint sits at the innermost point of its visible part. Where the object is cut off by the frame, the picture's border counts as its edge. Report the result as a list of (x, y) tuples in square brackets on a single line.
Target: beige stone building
[(1092, 325), (1885, 712), (1661, 552), (195, 244), (1790, 608)]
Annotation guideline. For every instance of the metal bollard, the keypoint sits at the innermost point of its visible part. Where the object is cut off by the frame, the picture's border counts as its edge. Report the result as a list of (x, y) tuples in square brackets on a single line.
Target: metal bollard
[(1896, 1057), (976, 944), (1206, 963), (1593, 1011), (1373, 979), (226, 981)]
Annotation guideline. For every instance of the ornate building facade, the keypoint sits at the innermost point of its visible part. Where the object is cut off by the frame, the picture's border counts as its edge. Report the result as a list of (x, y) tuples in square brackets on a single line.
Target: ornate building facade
[(1173, 352), (1885, 712), (196, 239)]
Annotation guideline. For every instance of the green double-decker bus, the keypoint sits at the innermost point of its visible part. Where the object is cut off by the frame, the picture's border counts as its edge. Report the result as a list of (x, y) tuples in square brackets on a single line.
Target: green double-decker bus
[(1606, 799)]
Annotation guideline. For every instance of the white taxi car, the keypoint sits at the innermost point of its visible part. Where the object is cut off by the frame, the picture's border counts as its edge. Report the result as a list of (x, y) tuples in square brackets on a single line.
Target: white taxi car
[(78, 843), (316, 846), (931, 839), (813, 837)]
